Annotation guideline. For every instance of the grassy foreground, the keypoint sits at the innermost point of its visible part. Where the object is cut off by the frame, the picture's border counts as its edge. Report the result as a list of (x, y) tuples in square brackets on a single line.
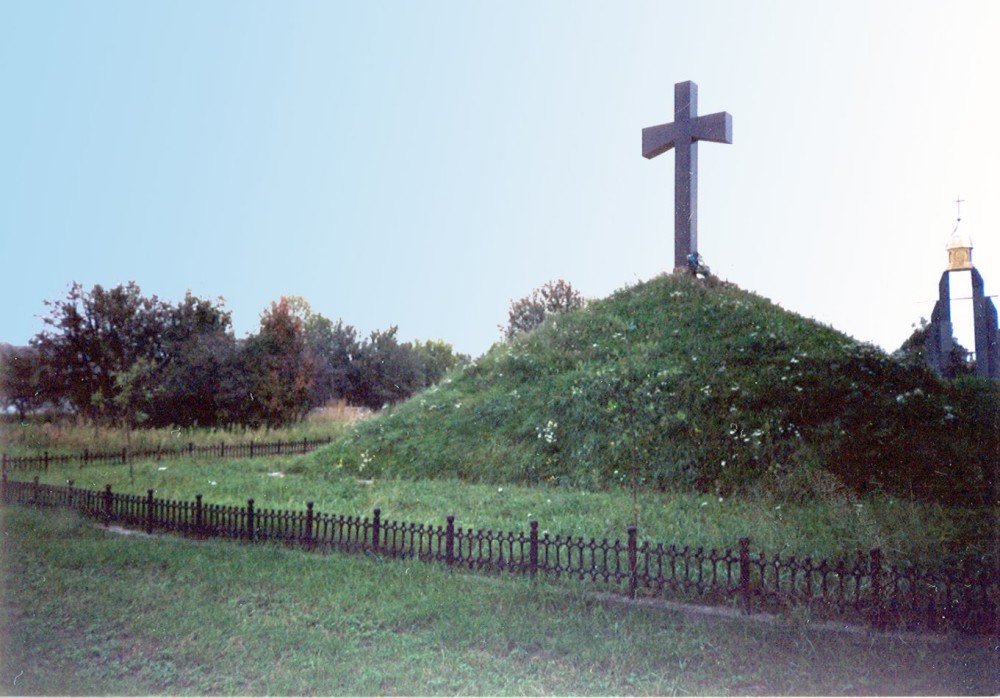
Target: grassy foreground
[(88, 612)]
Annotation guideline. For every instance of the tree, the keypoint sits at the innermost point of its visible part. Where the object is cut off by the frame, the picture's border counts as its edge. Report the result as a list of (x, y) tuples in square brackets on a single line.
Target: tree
[(280, 367), (386, 371), (21, 379), (529, 312), (434, 359), (95, 336), (199, 353)]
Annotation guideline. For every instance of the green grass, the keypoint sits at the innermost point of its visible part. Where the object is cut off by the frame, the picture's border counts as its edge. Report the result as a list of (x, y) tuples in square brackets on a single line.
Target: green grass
[(830, 528), (87, 612), (66, 437), (696, 386)]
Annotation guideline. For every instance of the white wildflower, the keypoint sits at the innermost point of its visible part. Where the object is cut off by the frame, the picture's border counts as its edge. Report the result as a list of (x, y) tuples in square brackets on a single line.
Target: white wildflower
[(548, 432)]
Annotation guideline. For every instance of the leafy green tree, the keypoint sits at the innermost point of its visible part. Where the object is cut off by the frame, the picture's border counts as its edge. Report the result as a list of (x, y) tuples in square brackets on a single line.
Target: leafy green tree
[(387, 371), (21, 379), (280, 367), (341, 353), (433, 359), (529, 312), (93, 337), (199, 352), (333, 348)]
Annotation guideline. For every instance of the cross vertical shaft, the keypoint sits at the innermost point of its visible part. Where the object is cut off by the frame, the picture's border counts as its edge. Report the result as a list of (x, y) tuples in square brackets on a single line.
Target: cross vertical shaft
[(683, 135), (685, 176)]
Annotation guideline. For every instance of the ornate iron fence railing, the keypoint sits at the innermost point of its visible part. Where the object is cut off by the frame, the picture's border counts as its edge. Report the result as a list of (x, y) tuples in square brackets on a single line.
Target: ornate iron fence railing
[(863, 589), (249, 449)]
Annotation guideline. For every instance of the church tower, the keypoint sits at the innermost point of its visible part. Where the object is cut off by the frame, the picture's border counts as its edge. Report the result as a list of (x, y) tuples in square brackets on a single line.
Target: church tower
[(939, 342)]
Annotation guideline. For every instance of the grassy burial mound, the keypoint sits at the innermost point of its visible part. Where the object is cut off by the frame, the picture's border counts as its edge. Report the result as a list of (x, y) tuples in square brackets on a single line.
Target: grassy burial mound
[(693, 385)]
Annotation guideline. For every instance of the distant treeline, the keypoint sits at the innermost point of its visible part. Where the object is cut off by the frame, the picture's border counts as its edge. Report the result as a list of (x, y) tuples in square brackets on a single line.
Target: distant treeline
[(117, 357)]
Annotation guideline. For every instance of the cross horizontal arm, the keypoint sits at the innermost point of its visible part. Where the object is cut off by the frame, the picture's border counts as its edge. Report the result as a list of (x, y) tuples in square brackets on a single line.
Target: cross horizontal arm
[(657, 140), (717, 128)]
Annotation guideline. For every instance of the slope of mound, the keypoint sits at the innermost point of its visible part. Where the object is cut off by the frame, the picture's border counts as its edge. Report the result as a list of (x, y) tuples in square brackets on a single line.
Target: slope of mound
[(690, 384)]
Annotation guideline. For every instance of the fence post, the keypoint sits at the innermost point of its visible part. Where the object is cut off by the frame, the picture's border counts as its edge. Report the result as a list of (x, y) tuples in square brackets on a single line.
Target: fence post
[(108, 504), (45, 460), (250, 523), (190, 449), (197, 515), (251, 448), (633, 561), (309, 523), (376, 529), (745, 574), (69, 494), (877, 618), (533, 550), (149, 512), (3, 482), (34, 492), (449, 541), (86, 457)]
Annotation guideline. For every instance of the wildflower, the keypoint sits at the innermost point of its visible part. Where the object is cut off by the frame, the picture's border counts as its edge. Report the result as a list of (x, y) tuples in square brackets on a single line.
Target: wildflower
[(213, 483), (162, 467), (548, 432), (500, 489)]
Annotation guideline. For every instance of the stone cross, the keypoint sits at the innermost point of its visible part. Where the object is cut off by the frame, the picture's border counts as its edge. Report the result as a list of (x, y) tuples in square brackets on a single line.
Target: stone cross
[(683, 135)]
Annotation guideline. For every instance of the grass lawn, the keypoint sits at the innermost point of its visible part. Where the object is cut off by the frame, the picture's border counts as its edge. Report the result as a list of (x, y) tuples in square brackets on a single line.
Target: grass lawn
[(88, 612), (837, 526)]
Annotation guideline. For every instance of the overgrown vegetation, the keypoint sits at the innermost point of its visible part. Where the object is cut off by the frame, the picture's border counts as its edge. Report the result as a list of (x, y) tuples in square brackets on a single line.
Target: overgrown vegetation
[(85, 612), (697, 386), (34, 436), (552, 298)]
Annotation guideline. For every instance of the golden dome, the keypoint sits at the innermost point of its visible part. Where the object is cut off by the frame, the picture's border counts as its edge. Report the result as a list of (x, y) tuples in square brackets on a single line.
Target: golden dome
[(959, 251)]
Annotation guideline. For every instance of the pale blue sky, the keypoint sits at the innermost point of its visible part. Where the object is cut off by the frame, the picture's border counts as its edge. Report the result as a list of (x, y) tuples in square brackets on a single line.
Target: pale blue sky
[(422, 164)]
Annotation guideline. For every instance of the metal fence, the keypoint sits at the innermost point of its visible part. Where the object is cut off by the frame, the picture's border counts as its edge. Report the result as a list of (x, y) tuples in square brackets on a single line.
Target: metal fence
[(864, 589), (250, 449)]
